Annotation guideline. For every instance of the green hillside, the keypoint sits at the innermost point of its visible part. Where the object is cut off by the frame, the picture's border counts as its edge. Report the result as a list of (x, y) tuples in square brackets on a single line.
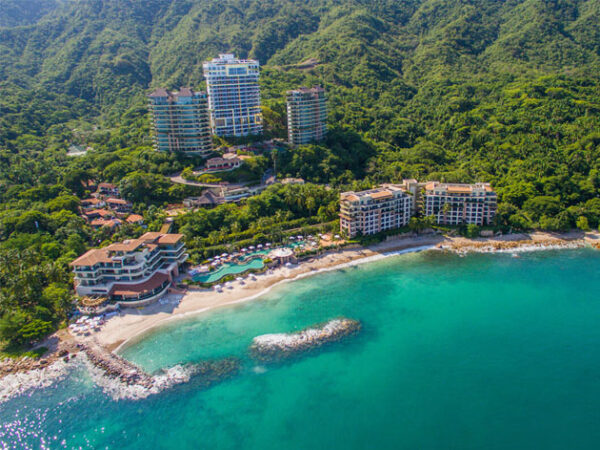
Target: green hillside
[(456, 90)]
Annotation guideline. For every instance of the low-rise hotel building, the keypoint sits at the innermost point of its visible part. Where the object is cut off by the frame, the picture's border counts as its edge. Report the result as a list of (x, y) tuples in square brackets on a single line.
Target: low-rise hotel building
[(456, 204), (375, 210), (135, 272)]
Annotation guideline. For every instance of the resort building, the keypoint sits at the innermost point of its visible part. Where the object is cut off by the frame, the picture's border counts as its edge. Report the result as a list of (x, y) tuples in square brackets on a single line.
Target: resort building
[(306, 115), (375, 210), (109, 189), (92, 203), (135, 271), (222, 164), (208, 199), (233, 95), (119, 205), (455, 204), (180, 121)]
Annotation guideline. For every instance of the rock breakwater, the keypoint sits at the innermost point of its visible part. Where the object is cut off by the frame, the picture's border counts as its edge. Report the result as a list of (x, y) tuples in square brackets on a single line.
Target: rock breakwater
[(274, 347), (121, 379)]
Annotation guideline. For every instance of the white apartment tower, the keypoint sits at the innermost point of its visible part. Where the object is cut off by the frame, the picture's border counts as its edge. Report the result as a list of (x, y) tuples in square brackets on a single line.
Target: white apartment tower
[(233, 95)]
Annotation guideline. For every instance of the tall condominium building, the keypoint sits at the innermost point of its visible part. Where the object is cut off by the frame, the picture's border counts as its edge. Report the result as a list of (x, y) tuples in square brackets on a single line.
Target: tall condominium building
[(375, 210), (455, 204), (134, 271), (180, 121), (233, 95), (306, 115)]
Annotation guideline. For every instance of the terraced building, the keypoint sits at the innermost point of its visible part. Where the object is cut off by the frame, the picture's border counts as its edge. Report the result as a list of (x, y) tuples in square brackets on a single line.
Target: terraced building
[(136, 271)]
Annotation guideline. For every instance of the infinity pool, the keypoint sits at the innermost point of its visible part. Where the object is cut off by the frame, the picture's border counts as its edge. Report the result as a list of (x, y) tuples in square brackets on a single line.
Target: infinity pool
[(229, 269)]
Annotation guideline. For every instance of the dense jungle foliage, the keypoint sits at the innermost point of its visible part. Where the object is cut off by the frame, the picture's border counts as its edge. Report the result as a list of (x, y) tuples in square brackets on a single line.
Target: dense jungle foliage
[(455, 90)]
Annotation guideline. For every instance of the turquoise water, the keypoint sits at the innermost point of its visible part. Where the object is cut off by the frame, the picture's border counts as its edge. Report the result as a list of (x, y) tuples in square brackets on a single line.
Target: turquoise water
[(480, 352), (229, 269)]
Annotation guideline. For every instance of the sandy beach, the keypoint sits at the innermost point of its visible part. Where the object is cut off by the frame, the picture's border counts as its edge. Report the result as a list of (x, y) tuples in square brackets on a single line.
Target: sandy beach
[(133, 323)]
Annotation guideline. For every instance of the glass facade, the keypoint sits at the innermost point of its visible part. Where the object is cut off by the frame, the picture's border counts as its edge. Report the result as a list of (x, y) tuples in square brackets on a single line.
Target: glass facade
[(180, 121), (306, 115), (233, 96)]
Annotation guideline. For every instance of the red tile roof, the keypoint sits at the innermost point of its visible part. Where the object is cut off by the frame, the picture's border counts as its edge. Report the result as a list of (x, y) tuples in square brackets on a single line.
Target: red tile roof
[(141, 288), (134, 218)]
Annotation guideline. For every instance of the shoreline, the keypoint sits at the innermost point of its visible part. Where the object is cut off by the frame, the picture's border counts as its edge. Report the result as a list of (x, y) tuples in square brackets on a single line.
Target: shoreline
[(135, 324), (132, 326)]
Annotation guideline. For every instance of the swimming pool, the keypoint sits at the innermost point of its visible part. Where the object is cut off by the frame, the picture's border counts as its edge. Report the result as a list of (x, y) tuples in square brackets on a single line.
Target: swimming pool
[(229, 269)]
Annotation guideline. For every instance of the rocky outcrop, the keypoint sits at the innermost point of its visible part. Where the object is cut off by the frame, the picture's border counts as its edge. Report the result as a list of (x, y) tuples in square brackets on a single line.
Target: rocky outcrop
[(274, 347), (116, 367), (121, 379)]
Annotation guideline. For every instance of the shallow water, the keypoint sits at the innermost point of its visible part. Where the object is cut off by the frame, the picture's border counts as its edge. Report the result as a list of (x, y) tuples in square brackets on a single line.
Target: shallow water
[(485, 351)]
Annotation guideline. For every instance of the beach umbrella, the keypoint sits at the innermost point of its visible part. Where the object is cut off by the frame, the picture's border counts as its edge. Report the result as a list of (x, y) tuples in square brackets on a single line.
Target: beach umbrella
[(337, 236), (239, 279), (268, 244), (251, 247), (223, 255), (300, 237), (259, 246), (244, 249)]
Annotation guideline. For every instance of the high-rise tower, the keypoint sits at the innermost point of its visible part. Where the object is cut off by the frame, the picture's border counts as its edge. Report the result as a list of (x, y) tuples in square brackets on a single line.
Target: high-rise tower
[(233, 95), (180, 121), (307, 115)]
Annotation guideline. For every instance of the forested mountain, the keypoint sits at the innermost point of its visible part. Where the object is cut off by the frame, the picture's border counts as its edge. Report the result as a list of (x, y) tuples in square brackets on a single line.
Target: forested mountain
[(96, 48), (456, 90)]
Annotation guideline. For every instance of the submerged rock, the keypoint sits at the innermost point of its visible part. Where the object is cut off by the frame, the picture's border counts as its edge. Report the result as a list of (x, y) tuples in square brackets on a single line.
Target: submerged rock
[(272, 347)]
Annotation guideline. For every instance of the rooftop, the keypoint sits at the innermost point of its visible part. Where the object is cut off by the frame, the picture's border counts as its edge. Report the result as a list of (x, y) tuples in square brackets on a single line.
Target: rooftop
[(380, 193), (170, 238), (306, 90), (91, 257), (183, 92), (149, 240), (133, 218), (118, 201), (458, 188)]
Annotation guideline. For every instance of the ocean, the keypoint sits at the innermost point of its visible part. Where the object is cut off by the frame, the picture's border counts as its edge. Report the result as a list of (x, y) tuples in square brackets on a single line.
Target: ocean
[(486, 351)]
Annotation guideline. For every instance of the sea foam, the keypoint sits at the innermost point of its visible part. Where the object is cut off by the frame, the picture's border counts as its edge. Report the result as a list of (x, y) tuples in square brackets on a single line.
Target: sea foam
[(276, 346)]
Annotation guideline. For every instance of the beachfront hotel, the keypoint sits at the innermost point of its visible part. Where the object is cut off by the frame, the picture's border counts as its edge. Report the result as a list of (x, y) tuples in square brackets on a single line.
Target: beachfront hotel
[(135, 272), (456, 204), (375, 210), (306, 115), (180, 121), (233, 95)]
